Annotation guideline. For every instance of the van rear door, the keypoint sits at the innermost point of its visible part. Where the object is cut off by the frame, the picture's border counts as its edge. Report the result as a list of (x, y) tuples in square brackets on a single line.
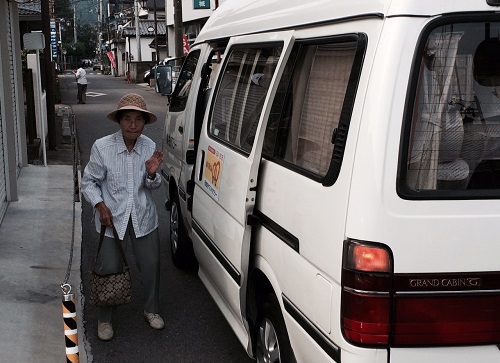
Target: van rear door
[(228, 159)]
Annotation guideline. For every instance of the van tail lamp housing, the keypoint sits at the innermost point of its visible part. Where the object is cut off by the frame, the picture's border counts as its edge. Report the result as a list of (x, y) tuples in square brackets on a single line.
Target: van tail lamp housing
[(382, 309), (366, 293), (493, 2)]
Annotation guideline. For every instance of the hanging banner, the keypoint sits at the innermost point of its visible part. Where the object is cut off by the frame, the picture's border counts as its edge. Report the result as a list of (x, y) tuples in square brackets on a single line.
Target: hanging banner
[(111, 57), (185, 44)]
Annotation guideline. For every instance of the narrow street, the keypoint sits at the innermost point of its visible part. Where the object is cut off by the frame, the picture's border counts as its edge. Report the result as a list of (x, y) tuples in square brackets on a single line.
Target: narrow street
[(195, 329)]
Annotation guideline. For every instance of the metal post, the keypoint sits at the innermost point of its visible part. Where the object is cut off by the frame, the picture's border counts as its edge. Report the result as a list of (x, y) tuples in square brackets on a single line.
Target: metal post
[(157, 60), (137, 31), (66, 131), (70, 328), (49, 79), (99, 31), (178, 32)]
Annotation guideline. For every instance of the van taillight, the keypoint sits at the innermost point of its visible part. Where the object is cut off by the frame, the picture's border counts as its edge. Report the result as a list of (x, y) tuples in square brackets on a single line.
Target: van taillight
[(366, 293), (380, 308), (449, 319)]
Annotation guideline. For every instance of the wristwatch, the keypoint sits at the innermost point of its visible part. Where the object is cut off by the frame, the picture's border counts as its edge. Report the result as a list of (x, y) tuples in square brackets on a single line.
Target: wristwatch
[(150, 177)]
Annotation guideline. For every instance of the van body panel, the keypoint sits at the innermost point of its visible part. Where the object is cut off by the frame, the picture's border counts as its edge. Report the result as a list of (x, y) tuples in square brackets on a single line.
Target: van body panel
[(221, 202), (434, 8), (215, 272), (238, 18), (282, 191), (439, 234)]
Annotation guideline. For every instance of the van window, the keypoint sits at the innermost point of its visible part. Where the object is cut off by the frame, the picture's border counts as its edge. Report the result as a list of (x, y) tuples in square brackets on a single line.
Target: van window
[(241, 94), (308, 106), (453, 141), (183, 86)]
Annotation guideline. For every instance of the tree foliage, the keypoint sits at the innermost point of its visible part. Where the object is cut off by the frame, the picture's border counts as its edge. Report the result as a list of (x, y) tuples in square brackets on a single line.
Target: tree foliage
[(85, 46)]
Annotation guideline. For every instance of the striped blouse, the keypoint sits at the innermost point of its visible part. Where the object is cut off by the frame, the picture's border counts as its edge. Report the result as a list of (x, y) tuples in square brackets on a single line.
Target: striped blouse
[(119, 178)]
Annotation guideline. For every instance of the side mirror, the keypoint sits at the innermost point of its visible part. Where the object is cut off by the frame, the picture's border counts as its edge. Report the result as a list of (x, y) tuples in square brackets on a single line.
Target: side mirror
[(163, 80)]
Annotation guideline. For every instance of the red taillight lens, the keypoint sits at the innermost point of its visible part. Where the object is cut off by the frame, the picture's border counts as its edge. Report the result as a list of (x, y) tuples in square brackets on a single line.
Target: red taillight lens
[(446, 319), (365, 318), (366, 298), (368, 258)]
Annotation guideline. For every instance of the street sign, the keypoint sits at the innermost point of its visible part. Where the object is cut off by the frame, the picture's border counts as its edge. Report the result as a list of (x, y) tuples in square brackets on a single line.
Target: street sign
[(201, 4), (53, 40), (33, 41)]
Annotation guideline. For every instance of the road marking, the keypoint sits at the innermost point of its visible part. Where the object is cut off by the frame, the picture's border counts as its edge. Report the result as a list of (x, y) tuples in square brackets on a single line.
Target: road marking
[(95, 94)]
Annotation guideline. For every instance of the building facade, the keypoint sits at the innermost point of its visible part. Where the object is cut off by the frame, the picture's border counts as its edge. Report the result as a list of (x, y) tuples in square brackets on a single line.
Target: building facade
[(156, 38), (195, 14), (13, 149)]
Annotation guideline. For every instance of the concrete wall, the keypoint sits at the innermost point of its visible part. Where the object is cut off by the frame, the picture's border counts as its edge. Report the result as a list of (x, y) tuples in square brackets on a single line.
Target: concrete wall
[(13, 148)]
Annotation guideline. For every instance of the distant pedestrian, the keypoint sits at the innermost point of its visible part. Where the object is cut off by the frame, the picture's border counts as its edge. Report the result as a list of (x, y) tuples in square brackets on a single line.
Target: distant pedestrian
[(81, 83), (118, 181), (127, 77)]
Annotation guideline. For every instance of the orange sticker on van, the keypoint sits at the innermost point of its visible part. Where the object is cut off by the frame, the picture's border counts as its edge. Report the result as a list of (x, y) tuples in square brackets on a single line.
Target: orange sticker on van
[(212, 171)]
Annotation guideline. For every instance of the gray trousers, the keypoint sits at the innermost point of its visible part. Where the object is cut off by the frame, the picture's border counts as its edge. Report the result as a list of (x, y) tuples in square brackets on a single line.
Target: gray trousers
[(147, 257), (82, 92)]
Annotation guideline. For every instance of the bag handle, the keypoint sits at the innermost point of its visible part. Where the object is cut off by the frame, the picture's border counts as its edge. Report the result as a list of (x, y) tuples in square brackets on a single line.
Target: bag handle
[(117, 240)]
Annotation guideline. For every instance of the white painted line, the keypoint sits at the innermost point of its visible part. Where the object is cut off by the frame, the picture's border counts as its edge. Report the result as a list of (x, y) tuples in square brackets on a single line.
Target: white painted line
[(95, 94)]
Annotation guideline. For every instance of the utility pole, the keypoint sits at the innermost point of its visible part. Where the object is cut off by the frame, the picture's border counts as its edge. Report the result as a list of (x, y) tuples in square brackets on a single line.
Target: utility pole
[(137, 31), (178, 28), (99, 29), (100, 37), (157, 60), (49, 77), (74, 23)]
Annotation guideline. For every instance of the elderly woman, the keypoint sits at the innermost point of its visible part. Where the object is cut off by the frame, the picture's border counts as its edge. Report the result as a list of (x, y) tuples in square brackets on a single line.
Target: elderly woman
[(117, 181)]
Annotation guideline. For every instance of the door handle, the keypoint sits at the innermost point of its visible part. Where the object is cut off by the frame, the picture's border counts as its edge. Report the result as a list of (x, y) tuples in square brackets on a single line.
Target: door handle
[(202, 162), (253, 220)]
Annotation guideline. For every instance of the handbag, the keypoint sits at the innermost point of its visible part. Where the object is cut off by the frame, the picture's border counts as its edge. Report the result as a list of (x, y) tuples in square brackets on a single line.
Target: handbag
[(111, 289)]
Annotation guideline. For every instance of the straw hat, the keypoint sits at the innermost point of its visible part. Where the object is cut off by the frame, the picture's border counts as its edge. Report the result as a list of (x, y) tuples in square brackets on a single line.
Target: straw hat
[(135, 102)]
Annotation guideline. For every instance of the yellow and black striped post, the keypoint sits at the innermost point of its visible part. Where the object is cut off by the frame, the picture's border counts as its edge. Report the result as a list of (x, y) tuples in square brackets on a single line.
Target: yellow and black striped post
[(70, 329)]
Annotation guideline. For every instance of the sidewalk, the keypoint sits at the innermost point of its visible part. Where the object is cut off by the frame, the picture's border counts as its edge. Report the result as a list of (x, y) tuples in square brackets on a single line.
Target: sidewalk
[(35, 244)]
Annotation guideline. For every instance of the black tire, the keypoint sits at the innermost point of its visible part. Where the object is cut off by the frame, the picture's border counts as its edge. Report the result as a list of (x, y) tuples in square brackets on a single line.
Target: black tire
[(272, 342), (181, 246)]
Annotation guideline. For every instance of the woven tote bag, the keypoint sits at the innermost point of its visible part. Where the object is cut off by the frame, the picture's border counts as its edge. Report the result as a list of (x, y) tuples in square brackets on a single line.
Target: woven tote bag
[(111, 289)]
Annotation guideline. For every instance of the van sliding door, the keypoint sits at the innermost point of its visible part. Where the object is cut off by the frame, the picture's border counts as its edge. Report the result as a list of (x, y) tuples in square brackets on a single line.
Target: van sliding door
[(228, 158)]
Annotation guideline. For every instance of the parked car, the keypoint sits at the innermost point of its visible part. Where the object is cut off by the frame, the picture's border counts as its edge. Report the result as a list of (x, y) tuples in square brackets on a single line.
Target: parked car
[(167, 61), (96, 66)]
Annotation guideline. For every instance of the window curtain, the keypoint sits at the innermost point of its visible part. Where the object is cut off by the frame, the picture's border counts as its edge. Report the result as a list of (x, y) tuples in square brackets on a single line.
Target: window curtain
[(432, 102)]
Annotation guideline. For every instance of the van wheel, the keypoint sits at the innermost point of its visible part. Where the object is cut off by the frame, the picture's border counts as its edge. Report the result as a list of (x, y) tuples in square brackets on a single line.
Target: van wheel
[(273, 344), (181, 246)]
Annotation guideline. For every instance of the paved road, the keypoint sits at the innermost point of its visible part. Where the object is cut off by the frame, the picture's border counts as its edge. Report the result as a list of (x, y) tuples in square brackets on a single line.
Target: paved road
[(195, 329)]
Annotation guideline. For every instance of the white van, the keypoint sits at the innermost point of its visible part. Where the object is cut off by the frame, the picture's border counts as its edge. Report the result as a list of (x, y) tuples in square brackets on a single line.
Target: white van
[(336, 165)]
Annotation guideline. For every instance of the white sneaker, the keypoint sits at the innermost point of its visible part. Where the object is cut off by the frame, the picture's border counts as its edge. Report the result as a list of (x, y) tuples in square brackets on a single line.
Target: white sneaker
[(104, 330), (154, 320)]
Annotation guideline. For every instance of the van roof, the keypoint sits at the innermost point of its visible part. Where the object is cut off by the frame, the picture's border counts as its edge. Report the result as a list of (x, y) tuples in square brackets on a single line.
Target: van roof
[(238, 17)]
